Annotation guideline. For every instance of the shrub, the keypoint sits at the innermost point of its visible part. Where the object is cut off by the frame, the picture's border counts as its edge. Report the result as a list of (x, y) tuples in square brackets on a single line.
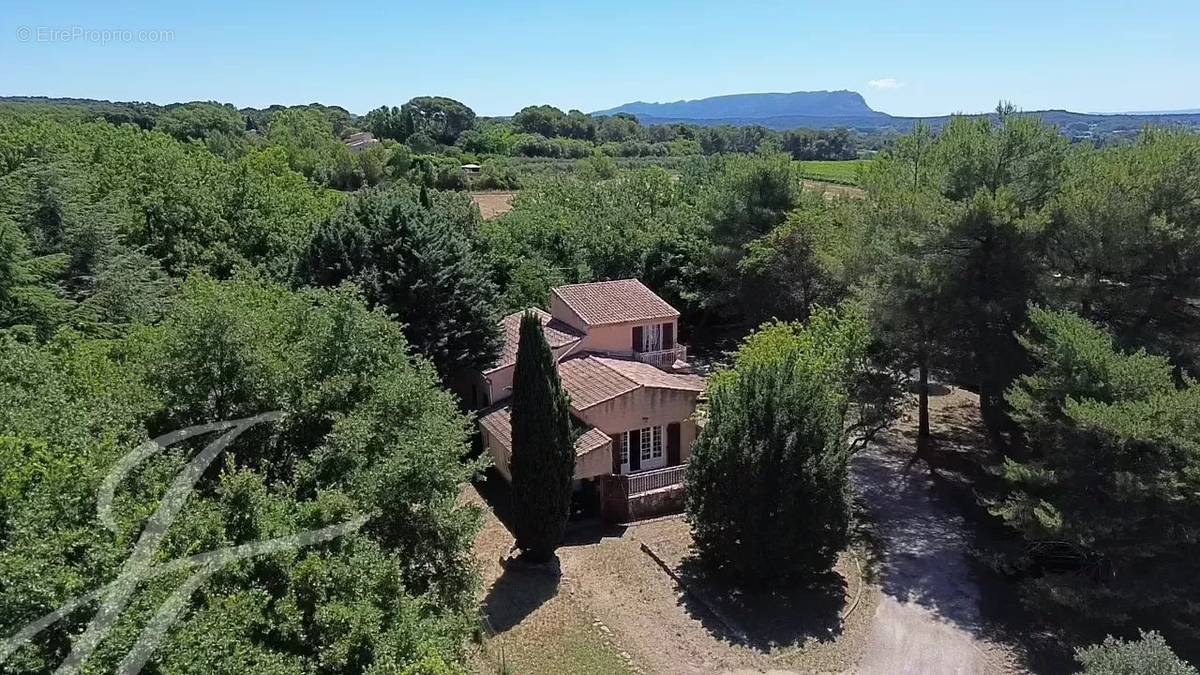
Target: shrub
[(767, 482), (1149, 655)]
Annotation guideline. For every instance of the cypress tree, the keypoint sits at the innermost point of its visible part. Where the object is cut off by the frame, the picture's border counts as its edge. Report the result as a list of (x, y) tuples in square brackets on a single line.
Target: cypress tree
[(543, 458)]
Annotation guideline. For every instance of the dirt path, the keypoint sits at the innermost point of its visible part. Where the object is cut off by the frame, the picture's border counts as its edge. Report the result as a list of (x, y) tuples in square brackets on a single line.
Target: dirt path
[(928, 619)]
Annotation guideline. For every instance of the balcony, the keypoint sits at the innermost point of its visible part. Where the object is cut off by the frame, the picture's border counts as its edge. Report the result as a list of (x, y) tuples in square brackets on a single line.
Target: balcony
[(655, 479), (663, 358)]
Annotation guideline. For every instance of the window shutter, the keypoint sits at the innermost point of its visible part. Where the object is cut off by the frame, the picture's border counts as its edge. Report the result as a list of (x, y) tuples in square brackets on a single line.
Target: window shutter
[(635, 450), (637, 338), (616, 453), (668, 335), (673, 444)]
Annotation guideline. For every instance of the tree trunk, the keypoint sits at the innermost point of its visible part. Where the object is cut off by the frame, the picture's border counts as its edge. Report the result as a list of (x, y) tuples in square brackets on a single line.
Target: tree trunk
[(923, 435)]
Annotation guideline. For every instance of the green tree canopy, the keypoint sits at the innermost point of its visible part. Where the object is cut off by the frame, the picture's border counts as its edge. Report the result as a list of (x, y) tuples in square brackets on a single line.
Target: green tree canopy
[(418, 262), (366, 431), (767, 483), (1112, 471), (1124, 242), (26, 297), (1149, 655), (441, 118)]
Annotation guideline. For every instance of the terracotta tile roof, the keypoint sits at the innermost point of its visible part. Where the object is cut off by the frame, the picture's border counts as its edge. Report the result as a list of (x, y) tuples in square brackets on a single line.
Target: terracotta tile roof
[(558, 334), (647, 375), (498, 422), (606, 302), (592, 439), (589, 382)]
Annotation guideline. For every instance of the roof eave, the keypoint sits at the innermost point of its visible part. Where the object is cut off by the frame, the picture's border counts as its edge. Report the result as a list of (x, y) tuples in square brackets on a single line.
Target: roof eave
[(634, 320)]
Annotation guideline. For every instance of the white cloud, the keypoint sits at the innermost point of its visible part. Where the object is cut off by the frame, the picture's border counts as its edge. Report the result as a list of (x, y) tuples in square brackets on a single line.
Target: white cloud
[(885, 83)]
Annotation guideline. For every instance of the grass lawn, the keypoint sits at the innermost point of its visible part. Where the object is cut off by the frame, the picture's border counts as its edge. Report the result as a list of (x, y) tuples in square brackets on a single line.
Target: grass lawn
[(559, 640), (844, 172)]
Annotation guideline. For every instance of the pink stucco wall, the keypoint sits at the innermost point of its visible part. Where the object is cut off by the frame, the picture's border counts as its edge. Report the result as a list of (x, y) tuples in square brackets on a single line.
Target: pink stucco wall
[(617, 337), (647, 407), (635, 410), (498, 384)]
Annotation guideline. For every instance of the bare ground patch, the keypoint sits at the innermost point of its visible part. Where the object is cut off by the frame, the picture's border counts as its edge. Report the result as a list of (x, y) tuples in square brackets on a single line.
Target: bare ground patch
[(818, 625), (615, 608), (493, 203), (534, 623), (833, 189)]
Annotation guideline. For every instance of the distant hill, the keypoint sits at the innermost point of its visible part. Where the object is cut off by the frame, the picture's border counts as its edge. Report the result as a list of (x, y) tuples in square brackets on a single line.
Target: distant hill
[(830, 109), (797, 110), (1187, 111), (847, 104)]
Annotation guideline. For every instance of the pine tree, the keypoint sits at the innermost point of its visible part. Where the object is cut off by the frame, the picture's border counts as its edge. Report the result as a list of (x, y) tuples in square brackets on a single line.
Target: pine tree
[(1112, 475), (418, 262), (543, 458), (28, 298)]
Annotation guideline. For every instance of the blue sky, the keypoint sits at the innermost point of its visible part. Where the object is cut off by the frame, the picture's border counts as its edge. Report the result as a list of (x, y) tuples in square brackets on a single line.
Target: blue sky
[(906, 58)]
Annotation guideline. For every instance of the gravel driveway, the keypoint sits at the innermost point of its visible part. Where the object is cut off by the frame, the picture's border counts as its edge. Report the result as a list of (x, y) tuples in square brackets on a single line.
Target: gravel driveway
[(928, 619)]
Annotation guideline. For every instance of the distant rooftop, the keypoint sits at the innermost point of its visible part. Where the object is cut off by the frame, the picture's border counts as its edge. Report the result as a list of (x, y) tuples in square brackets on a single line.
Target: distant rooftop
[(607, 302), (360, 139)]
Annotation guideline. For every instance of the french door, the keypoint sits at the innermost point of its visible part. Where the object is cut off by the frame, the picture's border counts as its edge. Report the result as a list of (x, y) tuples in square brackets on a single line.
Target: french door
[(643, 449)]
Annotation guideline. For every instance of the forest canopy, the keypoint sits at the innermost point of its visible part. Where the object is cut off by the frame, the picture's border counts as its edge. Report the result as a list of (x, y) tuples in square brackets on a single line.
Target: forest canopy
[(162, 266)]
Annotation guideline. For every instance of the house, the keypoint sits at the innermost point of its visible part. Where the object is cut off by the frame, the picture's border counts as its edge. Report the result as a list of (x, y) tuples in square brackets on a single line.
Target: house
[(360, 141), (471, 169), (631, 393)]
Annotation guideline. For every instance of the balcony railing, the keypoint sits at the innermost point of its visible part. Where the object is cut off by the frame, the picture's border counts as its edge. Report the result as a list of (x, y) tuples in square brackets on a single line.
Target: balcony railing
[(663, 358), (654, 479)]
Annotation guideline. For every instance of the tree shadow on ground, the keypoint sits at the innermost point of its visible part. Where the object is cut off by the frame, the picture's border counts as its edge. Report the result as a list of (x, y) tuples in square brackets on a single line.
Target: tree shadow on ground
[(590, 531), (497, 492), (765, 620), (516, 594), (921, 543), (934, 540)]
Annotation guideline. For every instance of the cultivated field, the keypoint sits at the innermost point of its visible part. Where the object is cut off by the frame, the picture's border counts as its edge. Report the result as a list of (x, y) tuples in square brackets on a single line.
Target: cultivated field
[(843, 172)]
